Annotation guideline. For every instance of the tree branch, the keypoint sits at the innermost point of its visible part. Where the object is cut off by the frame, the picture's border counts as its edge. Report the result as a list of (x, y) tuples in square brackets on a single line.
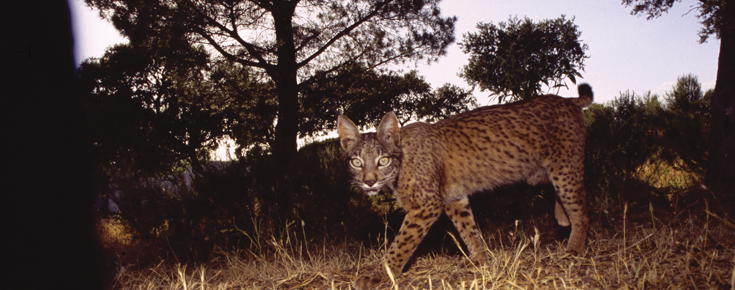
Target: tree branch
[(223, 52), (342, 33), (252, 49)]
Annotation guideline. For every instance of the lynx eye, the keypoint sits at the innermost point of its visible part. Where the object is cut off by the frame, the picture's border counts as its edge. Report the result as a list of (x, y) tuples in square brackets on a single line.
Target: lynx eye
[(383, 161), (355, 162)]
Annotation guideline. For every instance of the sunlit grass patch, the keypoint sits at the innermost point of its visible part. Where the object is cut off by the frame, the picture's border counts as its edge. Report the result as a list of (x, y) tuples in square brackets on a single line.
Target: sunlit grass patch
[(117, 243), (661, 174)]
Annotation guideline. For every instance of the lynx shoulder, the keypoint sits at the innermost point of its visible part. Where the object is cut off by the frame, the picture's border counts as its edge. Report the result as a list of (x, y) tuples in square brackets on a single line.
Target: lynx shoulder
[(433, 168)]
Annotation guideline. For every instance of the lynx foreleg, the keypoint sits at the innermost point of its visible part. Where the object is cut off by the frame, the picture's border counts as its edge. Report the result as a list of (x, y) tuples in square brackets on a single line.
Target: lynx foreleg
[(461, 215), (415, 226)]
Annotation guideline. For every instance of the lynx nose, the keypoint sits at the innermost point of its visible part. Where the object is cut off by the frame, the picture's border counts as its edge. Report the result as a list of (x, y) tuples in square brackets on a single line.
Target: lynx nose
[(370, 182)]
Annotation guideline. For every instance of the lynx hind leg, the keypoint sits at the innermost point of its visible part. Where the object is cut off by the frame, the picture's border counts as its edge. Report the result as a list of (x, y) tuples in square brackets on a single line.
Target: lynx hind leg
[(415, 226), (460, 213), (561, 215), (569, 187)]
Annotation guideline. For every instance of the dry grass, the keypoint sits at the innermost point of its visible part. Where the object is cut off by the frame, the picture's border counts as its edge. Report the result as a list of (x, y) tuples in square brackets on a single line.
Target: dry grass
[(648, 248), (118, 244), (686, 244)]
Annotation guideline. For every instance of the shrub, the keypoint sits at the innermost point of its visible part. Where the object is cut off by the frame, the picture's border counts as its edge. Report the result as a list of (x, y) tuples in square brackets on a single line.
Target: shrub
[(186, 216), (620, 138)]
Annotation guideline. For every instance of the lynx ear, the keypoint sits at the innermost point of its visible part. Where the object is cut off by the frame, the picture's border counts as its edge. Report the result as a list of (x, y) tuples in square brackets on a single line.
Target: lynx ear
[(388, 131), (349, 134)]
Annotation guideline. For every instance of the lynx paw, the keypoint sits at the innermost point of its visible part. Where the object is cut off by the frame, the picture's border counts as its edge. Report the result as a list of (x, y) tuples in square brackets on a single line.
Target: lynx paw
[(366, 281), (475, 261), (370, 280), (576, 246)]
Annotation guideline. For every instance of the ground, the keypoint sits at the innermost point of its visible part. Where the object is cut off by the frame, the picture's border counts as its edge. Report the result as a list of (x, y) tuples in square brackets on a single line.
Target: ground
[(686, 242)]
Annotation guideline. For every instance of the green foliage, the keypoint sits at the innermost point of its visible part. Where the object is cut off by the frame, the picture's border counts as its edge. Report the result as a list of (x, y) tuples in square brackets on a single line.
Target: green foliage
[(446, 101), (718, 18), (136, 115), (634, 130), (328, 203), (357, 91), (150, 112), (339, 33), (288, 42), (654, 8), (620, 138), (685, 136), (227, 205), (250, 103), (710, 11), (367, 94), (184, 217), (513, 59)]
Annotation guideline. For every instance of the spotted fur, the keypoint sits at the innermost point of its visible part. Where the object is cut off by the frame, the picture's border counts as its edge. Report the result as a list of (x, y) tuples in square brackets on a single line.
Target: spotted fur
[(434, 168)]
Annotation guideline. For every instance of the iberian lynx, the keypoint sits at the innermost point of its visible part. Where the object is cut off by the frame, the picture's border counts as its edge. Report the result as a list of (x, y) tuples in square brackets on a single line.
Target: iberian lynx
[(433, 168)]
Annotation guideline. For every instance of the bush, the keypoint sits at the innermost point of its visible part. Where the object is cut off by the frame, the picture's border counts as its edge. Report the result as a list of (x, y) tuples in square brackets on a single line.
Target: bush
[(186, 216), (327, 201), (638, 132), (620, 138), (685, 137)]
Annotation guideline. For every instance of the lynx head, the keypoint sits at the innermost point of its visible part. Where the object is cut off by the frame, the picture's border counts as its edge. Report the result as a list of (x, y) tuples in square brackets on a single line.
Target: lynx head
[(373, 159)]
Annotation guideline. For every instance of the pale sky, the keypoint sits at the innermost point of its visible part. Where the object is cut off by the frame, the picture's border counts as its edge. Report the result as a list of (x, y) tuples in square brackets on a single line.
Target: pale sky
[(625, 52)]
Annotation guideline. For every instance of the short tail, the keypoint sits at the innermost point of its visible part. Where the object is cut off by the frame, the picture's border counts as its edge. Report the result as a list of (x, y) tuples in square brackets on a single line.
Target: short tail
[(585, 96)]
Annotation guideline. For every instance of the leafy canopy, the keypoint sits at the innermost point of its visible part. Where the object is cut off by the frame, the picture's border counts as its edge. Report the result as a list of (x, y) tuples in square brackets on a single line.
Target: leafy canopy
[(711, 13), (513, 59), (149, 114), (365, 95), (320, 36), (290, 42), (687, 130)]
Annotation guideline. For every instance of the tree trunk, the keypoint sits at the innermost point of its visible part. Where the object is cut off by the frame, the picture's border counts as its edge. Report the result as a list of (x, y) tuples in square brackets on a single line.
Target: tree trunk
[(278, 201), (721, 172), (284, 75)]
